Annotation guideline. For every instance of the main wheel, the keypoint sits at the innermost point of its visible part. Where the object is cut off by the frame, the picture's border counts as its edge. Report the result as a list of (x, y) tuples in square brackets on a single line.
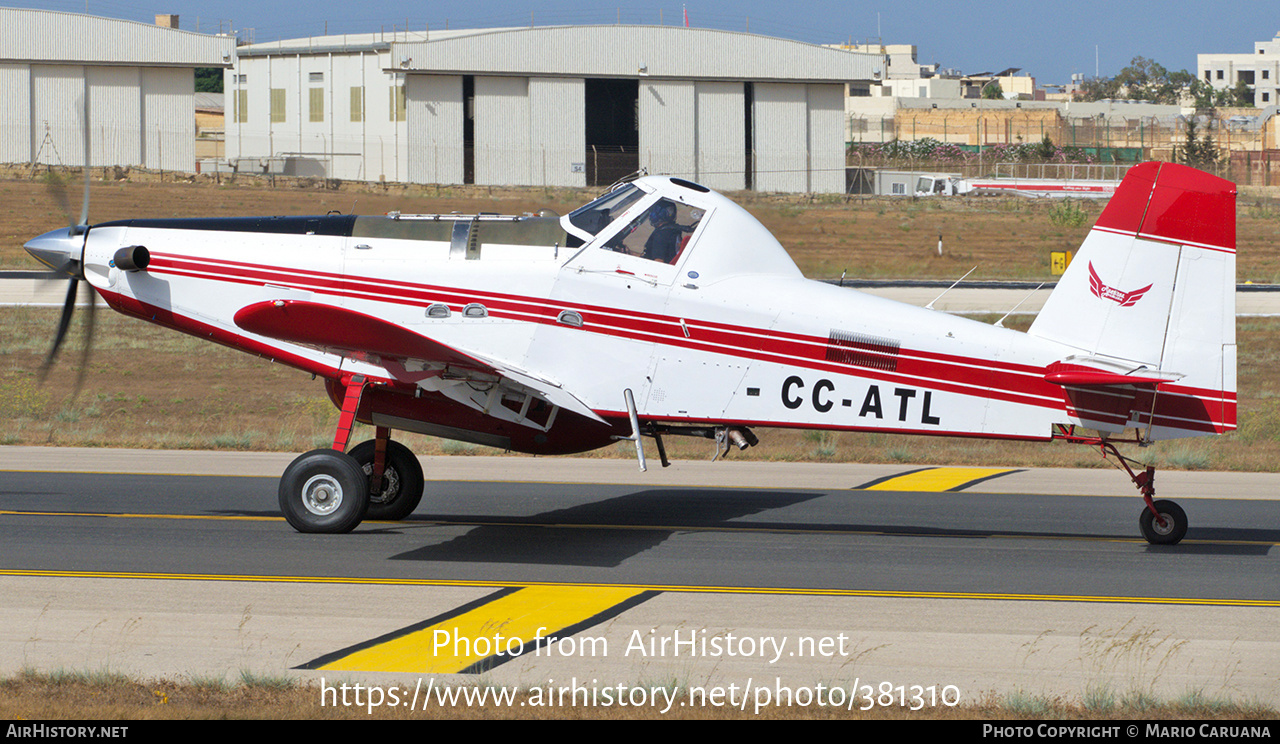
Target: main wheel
[(402, 481), (1174, 528), (324, 491)]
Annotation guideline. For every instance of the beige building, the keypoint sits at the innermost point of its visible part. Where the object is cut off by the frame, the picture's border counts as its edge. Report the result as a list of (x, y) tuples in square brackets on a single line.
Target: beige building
[(1260, 71)]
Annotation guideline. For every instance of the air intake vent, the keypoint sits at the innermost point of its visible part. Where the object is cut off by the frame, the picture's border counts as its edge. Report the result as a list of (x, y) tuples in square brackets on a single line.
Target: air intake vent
[(863, 351)]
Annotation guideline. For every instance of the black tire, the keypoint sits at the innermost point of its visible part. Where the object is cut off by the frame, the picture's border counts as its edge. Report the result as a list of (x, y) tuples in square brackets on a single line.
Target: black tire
[(324, 491), (402, 481), (1175, 524)]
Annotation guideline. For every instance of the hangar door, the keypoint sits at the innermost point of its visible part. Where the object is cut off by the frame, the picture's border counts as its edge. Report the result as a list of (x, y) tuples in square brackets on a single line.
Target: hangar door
[(613, 136), (694, 130), (798, 137)]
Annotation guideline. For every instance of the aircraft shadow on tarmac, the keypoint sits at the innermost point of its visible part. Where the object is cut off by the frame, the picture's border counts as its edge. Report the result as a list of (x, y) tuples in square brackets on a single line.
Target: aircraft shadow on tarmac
[(602, 533), (607, 532)]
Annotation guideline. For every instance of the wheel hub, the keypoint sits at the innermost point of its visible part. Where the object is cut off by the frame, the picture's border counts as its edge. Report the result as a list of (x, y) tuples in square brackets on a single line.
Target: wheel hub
[(390, 484), (322, 494), (1162, 524)]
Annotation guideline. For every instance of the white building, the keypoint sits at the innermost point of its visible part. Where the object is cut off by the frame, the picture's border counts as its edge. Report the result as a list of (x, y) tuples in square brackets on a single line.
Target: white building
[(1260, 71), (134, 83), (555, 106), (326, 106)]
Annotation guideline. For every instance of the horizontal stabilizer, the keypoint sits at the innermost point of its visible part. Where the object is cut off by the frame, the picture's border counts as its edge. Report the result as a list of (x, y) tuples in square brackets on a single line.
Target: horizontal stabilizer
[(1093, 372)]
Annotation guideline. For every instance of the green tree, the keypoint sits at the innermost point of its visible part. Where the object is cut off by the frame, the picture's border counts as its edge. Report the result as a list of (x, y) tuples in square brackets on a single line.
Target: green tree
[(208, 79), (1045, 150), (1143, 79), (1240, 95), (992, 91), (1204, 94), (1199, 152)]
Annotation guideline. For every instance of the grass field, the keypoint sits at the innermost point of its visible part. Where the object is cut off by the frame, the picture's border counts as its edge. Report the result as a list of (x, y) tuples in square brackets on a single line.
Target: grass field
[(33, 696)]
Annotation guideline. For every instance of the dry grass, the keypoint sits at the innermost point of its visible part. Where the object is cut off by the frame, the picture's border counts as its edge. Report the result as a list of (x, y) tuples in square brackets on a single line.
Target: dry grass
[(882, 237), (107, 697)]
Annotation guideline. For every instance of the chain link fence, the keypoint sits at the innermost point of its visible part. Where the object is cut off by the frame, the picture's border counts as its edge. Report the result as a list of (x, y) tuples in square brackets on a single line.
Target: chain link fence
[(1241, 148)]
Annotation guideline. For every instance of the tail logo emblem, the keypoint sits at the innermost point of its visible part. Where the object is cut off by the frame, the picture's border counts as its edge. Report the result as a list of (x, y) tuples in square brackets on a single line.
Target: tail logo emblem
[(1102, 291)]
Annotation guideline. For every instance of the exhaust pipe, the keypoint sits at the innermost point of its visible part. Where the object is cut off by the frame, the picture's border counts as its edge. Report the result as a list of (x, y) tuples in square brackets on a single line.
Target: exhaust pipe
[(131, 258)]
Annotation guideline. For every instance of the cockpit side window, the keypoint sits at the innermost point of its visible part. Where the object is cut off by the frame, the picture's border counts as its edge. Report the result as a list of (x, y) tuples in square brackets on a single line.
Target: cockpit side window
[(660, 233), (597, 215)]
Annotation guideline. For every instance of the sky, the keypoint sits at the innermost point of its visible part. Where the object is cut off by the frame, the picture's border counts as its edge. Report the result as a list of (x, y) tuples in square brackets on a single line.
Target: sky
[(1049, 39)]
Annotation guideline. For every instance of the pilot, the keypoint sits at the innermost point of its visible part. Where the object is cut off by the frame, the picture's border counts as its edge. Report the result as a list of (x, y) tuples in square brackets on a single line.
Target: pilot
[(664, 242)]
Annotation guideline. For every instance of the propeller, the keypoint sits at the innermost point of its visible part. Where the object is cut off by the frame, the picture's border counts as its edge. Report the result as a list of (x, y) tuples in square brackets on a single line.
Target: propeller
[(63, 251)]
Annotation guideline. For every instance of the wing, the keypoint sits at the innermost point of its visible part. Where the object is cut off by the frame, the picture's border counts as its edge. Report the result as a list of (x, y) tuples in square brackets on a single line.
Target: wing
[(484, 384)]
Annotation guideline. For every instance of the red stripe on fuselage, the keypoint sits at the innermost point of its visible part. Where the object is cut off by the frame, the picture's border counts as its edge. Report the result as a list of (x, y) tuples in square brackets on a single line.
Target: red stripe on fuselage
[(1006, 381)]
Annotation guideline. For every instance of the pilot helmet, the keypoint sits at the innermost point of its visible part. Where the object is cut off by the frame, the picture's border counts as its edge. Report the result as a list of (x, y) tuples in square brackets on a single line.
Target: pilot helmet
[(663, 211)]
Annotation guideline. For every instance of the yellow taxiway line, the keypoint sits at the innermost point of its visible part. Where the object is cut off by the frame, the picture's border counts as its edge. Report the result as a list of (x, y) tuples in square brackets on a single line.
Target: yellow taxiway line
[(477, 637), (935, 479)]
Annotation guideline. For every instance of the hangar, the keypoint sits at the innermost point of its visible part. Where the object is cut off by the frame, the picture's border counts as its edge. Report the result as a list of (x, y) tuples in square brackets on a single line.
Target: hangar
[(135, 80), (548, 106)]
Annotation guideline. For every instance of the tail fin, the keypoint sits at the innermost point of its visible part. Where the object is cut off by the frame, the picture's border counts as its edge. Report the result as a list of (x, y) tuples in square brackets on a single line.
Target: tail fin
[(1152, 293)]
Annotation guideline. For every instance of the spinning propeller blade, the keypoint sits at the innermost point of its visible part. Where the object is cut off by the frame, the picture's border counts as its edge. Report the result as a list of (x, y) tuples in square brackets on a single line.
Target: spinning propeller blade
[(64, 253)]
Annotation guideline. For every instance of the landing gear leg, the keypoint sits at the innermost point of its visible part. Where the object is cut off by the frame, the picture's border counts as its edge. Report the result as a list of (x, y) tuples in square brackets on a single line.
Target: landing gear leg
[(394, 475), (1162, 522), (326, 490)]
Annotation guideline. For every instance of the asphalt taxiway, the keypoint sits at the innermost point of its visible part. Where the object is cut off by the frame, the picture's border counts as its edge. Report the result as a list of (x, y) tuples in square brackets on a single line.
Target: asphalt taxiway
[(177, 564)]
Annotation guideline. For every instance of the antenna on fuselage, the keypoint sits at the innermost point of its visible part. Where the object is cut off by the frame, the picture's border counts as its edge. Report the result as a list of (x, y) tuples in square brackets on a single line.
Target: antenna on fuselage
[(948, 289), (1000, 323)]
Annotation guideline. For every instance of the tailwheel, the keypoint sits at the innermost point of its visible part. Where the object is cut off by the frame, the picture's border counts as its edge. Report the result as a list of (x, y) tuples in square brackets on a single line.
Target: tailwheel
[(1171, 526), (401, 484), (324, 491)]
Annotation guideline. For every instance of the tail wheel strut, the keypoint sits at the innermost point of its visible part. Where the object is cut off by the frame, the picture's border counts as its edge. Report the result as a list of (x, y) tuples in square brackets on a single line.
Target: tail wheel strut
[(1162, 522)]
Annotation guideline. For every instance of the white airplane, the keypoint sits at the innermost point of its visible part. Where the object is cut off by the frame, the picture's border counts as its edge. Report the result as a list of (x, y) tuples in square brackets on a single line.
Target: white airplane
[(663, 308)]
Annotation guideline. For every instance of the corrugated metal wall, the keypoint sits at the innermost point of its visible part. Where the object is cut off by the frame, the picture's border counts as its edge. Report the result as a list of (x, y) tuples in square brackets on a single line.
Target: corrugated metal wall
[(780, 129), (502, 145), (557, 131), (435, 139), (35, 36), (57, 113), (137, 116), (15, 114), (798, 137), (135, 79), (826, 138), (668, 127), (721, 136), (666, 52), (115, 107), (168, 118)]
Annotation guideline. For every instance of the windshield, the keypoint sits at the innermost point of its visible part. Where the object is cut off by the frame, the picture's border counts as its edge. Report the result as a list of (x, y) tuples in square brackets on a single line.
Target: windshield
[(597, 215), (660, 233)]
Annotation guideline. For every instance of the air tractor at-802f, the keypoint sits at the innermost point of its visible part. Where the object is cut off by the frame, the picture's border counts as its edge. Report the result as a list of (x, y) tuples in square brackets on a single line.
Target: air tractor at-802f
[(663, 308)]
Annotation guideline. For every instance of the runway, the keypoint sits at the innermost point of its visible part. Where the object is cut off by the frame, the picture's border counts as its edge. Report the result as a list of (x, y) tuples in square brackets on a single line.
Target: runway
[(1001, 586)]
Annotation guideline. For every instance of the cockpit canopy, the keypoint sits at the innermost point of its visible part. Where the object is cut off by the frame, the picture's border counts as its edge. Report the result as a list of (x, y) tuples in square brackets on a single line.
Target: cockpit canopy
[(679, 223), (596, 216)]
